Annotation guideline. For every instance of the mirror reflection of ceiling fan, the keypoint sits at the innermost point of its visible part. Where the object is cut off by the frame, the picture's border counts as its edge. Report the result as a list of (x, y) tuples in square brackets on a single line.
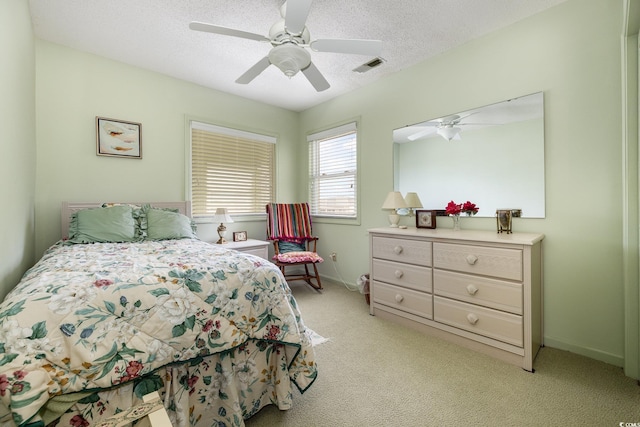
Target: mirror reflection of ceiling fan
[(448, 127), (290, 37)]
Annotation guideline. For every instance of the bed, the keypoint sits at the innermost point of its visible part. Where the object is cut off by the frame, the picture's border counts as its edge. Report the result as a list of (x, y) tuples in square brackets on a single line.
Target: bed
[(133, 303)]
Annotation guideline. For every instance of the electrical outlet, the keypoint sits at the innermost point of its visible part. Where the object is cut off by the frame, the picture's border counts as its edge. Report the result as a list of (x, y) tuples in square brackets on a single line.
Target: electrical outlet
[(333, 256)]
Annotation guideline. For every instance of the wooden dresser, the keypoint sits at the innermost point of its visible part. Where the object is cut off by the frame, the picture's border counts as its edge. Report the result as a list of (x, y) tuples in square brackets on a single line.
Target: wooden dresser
[(479, 289)]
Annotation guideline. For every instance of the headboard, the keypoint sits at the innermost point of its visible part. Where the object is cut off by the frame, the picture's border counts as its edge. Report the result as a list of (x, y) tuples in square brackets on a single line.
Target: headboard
[(68, 208)]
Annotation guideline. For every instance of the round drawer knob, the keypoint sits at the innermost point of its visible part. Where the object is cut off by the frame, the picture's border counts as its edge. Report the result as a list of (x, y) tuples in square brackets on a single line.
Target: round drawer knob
[(472, 259), (398, 274), (398, 250), (399, 298), (472, 318), (472, 289)]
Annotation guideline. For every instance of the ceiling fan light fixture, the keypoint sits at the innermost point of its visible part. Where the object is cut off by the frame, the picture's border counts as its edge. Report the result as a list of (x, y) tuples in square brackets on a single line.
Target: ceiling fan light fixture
[(449, 132), (290, 58)]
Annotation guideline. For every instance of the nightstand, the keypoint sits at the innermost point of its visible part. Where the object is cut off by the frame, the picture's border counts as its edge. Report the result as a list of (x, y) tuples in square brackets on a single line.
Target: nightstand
[(250, 246)]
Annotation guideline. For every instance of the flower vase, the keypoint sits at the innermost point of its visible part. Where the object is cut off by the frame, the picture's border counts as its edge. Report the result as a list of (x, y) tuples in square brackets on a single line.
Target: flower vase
[(456, 222)]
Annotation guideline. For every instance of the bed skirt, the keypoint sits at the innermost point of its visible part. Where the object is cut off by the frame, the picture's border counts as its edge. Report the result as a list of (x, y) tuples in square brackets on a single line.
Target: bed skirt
[(218, 390)]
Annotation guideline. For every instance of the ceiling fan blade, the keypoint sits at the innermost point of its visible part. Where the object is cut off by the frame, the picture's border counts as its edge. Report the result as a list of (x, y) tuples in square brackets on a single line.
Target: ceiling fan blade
[(295, 17), (456, 119), (254, 71), (316, 78), (217, 29), (421, 134), (360, 47)]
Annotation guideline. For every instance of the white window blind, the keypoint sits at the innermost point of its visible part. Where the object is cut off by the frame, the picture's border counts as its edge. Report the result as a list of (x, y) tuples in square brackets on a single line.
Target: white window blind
[(333, 172), (230, 169)]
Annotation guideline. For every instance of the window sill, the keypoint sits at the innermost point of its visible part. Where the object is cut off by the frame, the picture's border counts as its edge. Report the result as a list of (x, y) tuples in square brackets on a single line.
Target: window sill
[(319, 219)]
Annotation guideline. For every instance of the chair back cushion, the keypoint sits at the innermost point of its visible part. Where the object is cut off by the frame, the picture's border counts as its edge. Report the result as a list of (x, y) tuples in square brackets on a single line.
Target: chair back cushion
[(288, 221), (284, 247)]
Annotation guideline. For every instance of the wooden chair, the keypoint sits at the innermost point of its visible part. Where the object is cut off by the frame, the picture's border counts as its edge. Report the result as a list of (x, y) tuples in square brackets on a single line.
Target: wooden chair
[(289, 228)]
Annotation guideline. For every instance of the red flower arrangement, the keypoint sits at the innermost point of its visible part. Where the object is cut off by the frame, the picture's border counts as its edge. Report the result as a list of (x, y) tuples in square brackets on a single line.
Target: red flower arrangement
[(469, 208), (454, 208)]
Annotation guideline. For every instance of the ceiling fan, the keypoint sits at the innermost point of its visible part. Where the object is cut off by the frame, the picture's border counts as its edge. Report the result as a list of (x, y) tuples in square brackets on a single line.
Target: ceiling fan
[(448, 127), (290, 37)]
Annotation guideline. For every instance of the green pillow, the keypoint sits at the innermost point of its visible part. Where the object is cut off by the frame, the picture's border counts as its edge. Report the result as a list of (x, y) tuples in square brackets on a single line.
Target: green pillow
[(113, 224), (163, 224)]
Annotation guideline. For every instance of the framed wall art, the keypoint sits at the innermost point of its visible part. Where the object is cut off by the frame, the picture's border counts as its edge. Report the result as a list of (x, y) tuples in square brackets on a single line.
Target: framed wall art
[(118, 138), (425, 219)]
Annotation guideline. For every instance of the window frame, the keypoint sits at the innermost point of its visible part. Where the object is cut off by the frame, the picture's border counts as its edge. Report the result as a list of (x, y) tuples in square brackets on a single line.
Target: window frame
[(261, 135), (328, 132)]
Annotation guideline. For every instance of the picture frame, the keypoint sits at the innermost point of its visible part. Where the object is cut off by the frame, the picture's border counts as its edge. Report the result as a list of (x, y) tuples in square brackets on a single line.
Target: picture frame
[(118, 138), (426, 218), (239, 236), (503, 220)]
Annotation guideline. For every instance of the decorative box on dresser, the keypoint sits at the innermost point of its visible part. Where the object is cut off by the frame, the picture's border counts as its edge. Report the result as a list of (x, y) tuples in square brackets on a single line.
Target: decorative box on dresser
[(479, 289)]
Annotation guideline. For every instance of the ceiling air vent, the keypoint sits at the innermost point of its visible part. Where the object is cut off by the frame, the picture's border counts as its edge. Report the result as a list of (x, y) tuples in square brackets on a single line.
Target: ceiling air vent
[(369, 65)]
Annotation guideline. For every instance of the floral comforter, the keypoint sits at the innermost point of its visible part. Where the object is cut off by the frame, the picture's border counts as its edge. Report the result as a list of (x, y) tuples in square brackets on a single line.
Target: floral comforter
[(106, 316)]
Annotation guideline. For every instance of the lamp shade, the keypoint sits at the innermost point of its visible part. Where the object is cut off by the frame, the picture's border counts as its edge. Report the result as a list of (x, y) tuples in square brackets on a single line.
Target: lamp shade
[(222, 215), (412, 200), (394, 200)]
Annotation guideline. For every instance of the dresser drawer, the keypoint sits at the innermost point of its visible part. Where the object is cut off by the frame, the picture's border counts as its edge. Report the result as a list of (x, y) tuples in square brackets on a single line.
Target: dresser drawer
[(488, 261), (490, 323), (406, 275), (403, 250), (408, 300), (498, 294)]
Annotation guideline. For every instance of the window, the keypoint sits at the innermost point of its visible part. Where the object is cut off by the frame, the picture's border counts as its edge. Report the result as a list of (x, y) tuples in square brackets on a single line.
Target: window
[(230, 169), (333, 172)]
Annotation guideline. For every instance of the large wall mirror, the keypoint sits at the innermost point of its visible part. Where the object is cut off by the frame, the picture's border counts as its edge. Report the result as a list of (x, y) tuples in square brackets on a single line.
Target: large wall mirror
[(492, 156)]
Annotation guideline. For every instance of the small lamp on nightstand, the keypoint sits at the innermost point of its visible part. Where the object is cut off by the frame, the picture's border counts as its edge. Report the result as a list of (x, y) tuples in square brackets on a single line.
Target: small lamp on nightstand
[(222, 216)]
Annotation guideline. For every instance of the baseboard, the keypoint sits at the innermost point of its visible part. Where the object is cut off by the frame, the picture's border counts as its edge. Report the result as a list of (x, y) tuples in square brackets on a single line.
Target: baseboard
[(337, 281), (612, 359)]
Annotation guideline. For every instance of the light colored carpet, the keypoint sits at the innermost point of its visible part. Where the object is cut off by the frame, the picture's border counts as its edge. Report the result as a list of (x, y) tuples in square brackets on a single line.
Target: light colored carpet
[(375, 373)]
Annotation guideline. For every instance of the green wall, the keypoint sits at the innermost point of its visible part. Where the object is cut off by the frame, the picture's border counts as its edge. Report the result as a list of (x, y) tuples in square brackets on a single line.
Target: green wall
[(17, 142), (573, 53), (74, 87)]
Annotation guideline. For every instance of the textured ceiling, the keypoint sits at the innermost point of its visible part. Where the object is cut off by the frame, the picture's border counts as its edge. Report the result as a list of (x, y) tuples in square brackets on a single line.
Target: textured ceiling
[(155, 35)]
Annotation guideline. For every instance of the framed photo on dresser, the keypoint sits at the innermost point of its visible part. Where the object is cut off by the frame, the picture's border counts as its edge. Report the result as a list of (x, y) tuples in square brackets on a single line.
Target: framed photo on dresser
[(425, 219)]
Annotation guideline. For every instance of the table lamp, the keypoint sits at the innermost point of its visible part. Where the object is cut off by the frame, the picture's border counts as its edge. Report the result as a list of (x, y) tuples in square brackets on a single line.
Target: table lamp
[(413, 202), (394, 201), (222, 216)]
